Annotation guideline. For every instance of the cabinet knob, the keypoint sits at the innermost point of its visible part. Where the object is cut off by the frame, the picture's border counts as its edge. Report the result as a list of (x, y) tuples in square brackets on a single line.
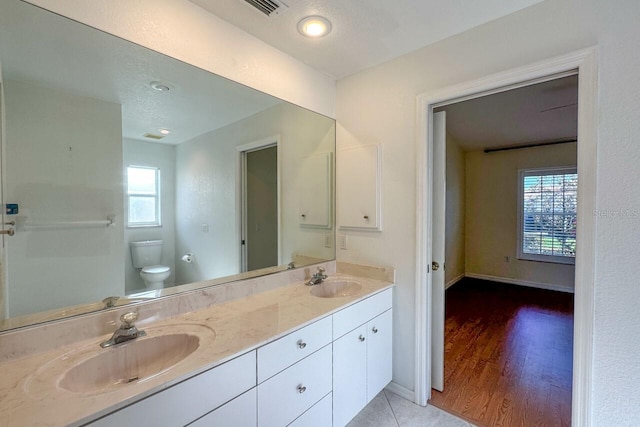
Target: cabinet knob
[(361, 338), (374, 330), (301, 344), (303, 216), (366, 217), (301, 389)]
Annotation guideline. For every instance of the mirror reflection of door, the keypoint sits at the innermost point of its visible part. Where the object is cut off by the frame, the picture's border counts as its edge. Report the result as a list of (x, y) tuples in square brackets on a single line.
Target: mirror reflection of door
[(261, 208)]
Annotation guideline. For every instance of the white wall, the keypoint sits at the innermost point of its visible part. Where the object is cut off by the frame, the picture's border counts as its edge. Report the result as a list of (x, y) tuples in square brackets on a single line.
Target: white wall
[(163, 157), (187, 32), (69, 170), (207, 168), (455, 212), (378, 106), (492, 215)]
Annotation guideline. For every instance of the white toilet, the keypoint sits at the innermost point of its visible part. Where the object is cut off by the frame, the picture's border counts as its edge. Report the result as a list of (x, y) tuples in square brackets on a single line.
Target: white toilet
[(147, 255)]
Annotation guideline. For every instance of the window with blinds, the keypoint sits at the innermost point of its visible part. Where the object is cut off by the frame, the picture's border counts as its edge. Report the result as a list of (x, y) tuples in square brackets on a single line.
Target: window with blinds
[(548, 215)]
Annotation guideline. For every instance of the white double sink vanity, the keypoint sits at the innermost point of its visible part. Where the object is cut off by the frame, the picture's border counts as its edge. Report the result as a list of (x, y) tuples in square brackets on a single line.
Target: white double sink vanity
[(295, 355)]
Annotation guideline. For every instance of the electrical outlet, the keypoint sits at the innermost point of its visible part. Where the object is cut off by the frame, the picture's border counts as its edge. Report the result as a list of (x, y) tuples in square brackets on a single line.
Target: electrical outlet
[(205, 228), (327, 240), (343, 242)]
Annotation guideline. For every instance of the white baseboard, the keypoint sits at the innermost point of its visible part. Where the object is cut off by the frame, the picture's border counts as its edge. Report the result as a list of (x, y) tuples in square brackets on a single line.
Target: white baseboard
[(401, 391), (453, 281), (519, 282)]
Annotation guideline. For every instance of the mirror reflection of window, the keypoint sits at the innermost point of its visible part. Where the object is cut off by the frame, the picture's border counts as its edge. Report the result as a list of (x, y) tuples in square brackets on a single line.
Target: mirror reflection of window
[(143, 196)]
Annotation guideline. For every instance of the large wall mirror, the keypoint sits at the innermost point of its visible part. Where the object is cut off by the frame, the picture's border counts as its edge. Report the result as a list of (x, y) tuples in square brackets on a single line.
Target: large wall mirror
[(129, 174)]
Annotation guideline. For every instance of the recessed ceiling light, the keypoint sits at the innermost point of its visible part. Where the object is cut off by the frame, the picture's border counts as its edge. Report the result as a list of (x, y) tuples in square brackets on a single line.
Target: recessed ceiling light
[(164, 131), (161, 86), (314, 26)]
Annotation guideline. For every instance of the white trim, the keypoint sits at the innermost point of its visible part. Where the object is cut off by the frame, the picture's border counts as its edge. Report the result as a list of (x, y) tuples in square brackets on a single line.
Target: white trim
[(518, 282), (453, 281), (585, 61), (274, 140), (403, 392)]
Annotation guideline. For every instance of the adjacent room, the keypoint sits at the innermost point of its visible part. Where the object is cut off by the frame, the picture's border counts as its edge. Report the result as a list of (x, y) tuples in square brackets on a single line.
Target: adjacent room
[(511, 194)]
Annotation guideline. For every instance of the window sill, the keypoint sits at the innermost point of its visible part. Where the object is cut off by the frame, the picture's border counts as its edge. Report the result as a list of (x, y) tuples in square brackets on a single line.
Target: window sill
[(547, 258)]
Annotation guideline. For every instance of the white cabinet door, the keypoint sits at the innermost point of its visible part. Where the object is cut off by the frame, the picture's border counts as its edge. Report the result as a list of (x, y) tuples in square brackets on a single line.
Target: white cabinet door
[(318, 416), (187, 401), (240, 412), (284, 352), (284, 397), (359, 169), (379, 353), (349, 375), (360, 313)]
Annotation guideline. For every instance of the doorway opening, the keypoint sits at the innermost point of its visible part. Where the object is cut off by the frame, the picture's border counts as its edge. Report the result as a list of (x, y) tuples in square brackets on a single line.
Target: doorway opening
[(430, 302), (510, 197), (260, 206)]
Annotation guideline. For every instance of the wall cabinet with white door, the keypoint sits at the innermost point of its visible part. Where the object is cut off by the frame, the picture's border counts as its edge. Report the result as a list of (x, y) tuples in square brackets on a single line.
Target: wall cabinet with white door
[(359, 193), (290, 381)]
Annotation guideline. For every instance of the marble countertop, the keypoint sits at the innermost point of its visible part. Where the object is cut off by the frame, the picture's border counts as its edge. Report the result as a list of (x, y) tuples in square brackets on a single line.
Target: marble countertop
[(30, 393)]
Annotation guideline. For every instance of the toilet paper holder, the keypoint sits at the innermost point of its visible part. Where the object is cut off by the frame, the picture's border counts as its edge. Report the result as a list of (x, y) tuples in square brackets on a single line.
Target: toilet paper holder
[(188, 257)]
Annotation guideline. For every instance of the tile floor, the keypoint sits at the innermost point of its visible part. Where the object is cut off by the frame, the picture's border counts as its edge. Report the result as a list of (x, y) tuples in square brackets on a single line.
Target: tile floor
[(388, 409)]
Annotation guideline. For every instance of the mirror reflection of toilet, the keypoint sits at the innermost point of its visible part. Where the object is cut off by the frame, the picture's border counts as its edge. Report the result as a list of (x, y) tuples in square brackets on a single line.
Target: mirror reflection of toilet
[(147, 255)]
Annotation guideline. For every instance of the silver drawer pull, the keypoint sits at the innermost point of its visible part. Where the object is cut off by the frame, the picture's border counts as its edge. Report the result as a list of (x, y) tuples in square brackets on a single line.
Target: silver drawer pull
[(301, 389), (301, 344), (361, 338), (375, 330)]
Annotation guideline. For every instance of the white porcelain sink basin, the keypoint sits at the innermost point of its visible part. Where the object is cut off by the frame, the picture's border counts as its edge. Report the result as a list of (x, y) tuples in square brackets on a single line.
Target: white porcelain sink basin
[(336, 288), (91, 370), (135, 360)]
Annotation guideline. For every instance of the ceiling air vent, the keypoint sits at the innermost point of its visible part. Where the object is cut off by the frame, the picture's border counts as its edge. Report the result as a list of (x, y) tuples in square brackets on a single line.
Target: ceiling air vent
[(153, 136), (267, 7)]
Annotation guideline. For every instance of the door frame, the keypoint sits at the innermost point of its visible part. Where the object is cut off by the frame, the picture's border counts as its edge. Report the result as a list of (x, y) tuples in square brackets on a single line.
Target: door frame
[(272, 141), (585, 62)]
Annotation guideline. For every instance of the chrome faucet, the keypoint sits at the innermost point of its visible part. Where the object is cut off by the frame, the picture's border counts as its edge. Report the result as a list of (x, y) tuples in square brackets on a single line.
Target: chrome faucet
[(126, 332), (317, 277), (110, 301)]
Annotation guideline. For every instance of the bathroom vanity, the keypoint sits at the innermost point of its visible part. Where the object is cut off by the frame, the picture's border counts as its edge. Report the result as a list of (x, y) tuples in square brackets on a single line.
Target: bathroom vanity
[(281, 357)]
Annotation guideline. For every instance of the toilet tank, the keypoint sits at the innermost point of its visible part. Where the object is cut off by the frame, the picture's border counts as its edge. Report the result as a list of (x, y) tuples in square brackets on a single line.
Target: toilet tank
[(146, 253)]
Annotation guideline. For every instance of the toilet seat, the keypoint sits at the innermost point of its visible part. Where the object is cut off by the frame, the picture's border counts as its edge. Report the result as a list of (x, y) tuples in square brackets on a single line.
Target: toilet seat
[(155, 269)]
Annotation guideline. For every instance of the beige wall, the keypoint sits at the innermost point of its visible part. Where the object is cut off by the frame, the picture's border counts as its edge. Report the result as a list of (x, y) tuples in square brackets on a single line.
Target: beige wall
[(492, 215), (455, 212)]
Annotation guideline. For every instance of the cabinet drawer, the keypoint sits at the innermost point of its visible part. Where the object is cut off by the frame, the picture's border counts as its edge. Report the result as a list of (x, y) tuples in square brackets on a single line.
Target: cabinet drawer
[(358, 314), (184, 402), (280, 354), (240, 412), (284, 397), (318, 416)]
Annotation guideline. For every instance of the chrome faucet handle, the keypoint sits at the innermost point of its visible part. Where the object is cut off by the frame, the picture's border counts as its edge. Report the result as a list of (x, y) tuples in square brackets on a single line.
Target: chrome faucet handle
[(110, 301), (321, 270), (128, 320)]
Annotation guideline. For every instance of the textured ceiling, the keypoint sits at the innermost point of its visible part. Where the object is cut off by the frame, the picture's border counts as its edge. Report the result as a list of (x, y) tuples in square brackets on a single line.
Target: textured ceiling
[(540, 112), (43, 48), (365, 32)]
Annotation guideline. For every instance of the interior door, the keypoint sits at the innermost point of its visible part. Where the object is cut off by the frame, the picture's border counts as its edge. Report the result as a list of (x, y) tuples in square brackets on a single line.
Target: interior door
[(261, 234), (438, 249)]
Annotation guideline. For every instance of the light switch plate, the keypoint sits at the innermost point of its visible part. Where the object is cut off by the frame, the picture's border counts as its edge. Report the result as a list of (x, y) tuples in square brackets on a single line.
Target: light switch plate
[(343, 242)]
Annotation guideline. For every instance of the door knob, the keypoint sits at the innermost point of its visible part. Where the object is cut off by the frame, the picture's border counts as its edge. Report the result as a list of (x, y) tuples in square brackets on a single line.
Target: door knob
[(435, 266)]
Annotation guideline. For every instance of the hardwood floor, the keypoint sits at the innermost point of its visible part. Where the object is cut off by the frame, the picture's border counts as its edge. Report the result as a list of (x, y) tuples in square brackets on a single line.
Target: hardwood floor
[(508, 355)]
